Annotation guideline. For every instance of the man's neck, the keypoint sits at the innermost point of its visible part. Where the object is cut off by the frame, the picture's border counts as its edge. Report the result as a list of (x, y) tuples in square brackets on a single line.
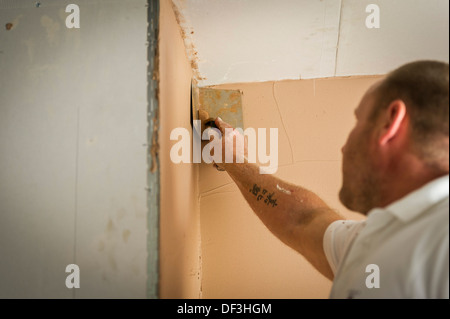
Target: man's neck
[(410, 175)]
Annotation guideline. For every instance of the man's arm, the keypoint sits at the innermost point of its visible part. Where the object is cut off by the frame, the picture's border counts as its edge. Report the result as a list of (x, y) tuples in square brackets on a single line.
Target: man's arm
[(298, 217)]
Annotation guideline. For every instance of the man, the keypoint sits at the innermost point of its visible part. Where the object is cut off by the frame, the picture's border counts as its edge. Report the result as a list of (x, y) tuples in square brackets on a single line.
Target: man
[(395, 171)]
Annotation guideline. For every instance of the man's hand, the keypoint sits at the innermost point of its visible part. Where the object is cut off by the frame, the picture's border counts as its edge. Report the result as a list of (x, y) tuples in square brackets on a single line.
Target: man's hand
[(234, 145)]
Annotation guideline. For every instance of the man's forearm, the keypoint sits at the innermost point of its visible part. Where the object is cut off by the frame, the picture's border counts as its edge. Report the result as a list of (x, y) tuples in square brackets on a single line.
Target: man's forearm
[(284, 208), (297, 216)]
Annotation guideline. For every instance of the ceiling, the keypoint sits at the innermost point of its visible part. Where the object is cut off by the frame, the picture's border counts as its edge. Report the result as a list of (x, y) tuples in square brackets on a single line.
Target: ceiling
[(232, 41)]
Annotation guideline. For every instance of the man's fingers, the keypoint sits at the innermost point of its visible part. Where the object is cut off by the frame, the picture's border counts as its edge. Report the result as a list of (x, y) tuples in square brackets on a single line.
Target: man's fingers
[(220, 169), (222, 125)]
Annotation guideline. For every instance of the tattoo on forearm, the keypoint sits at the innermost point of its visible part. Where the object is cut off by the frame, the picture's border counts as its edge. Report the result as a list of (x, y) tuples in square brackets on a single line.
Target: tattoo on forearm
[(263, 194)]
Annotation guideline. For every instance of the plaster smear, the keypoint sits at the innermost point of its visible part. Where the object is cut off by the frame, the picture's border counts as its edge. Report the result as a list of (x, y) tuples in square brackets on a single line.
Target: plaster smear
[(15, 22), (52, 28), (283, 190)]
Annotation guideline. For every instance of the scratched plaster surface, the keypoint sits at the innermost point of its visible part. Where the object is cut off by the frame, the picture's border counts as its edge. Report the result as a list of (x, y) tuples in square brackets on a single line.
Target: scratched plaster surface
[(240, 257)]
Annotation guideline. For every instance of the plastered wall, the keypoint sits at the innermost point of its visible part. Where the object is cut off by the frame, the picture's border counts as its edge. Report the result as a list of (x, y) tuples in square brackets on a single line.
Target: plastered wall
[(180, 255), (240, 257)]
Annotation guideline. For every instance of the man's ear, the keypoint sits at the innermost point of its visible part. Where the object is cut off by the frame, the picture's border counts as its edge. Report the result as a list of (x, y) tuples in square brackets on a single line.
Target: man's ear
[(394, 117)]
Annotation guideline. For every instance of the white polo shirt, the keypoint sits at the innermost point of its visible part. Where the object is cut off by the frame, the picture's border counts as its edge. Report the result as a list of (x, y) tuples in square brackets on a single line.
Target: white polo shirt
[(401, 249)]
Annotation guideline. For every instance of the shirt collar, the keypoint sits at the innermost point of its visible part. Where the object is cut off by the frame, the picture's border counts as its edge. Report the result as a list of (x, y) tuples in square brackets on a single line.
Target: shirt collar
[(420, 200)]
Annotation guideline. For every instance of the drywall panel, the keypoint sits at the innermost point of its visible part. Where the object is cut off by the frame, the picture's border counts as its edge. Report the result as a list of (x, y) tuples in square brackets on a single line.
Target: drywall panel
[(240, 257), (264, 40), (112, 170), (38, 143), (409, 30), (73, 162), (259, 40), (180, 257)]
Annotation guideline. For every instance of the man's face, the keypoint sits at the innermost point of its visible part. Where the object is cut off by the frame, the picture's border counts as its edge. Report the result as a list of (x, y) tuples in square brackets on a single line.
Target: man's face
[(359, 186)]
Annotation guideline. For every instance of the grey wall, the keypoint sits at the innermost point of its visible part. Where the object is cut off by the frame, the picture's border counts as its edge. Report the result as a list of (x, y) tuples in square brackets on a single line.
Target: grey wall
[(73, 159)]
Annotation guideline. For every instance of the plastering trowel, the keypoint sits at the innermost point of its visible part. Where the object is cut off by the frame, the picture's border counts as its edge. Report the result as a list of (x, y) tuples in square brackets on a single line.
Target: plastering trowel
[(207, 104)]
